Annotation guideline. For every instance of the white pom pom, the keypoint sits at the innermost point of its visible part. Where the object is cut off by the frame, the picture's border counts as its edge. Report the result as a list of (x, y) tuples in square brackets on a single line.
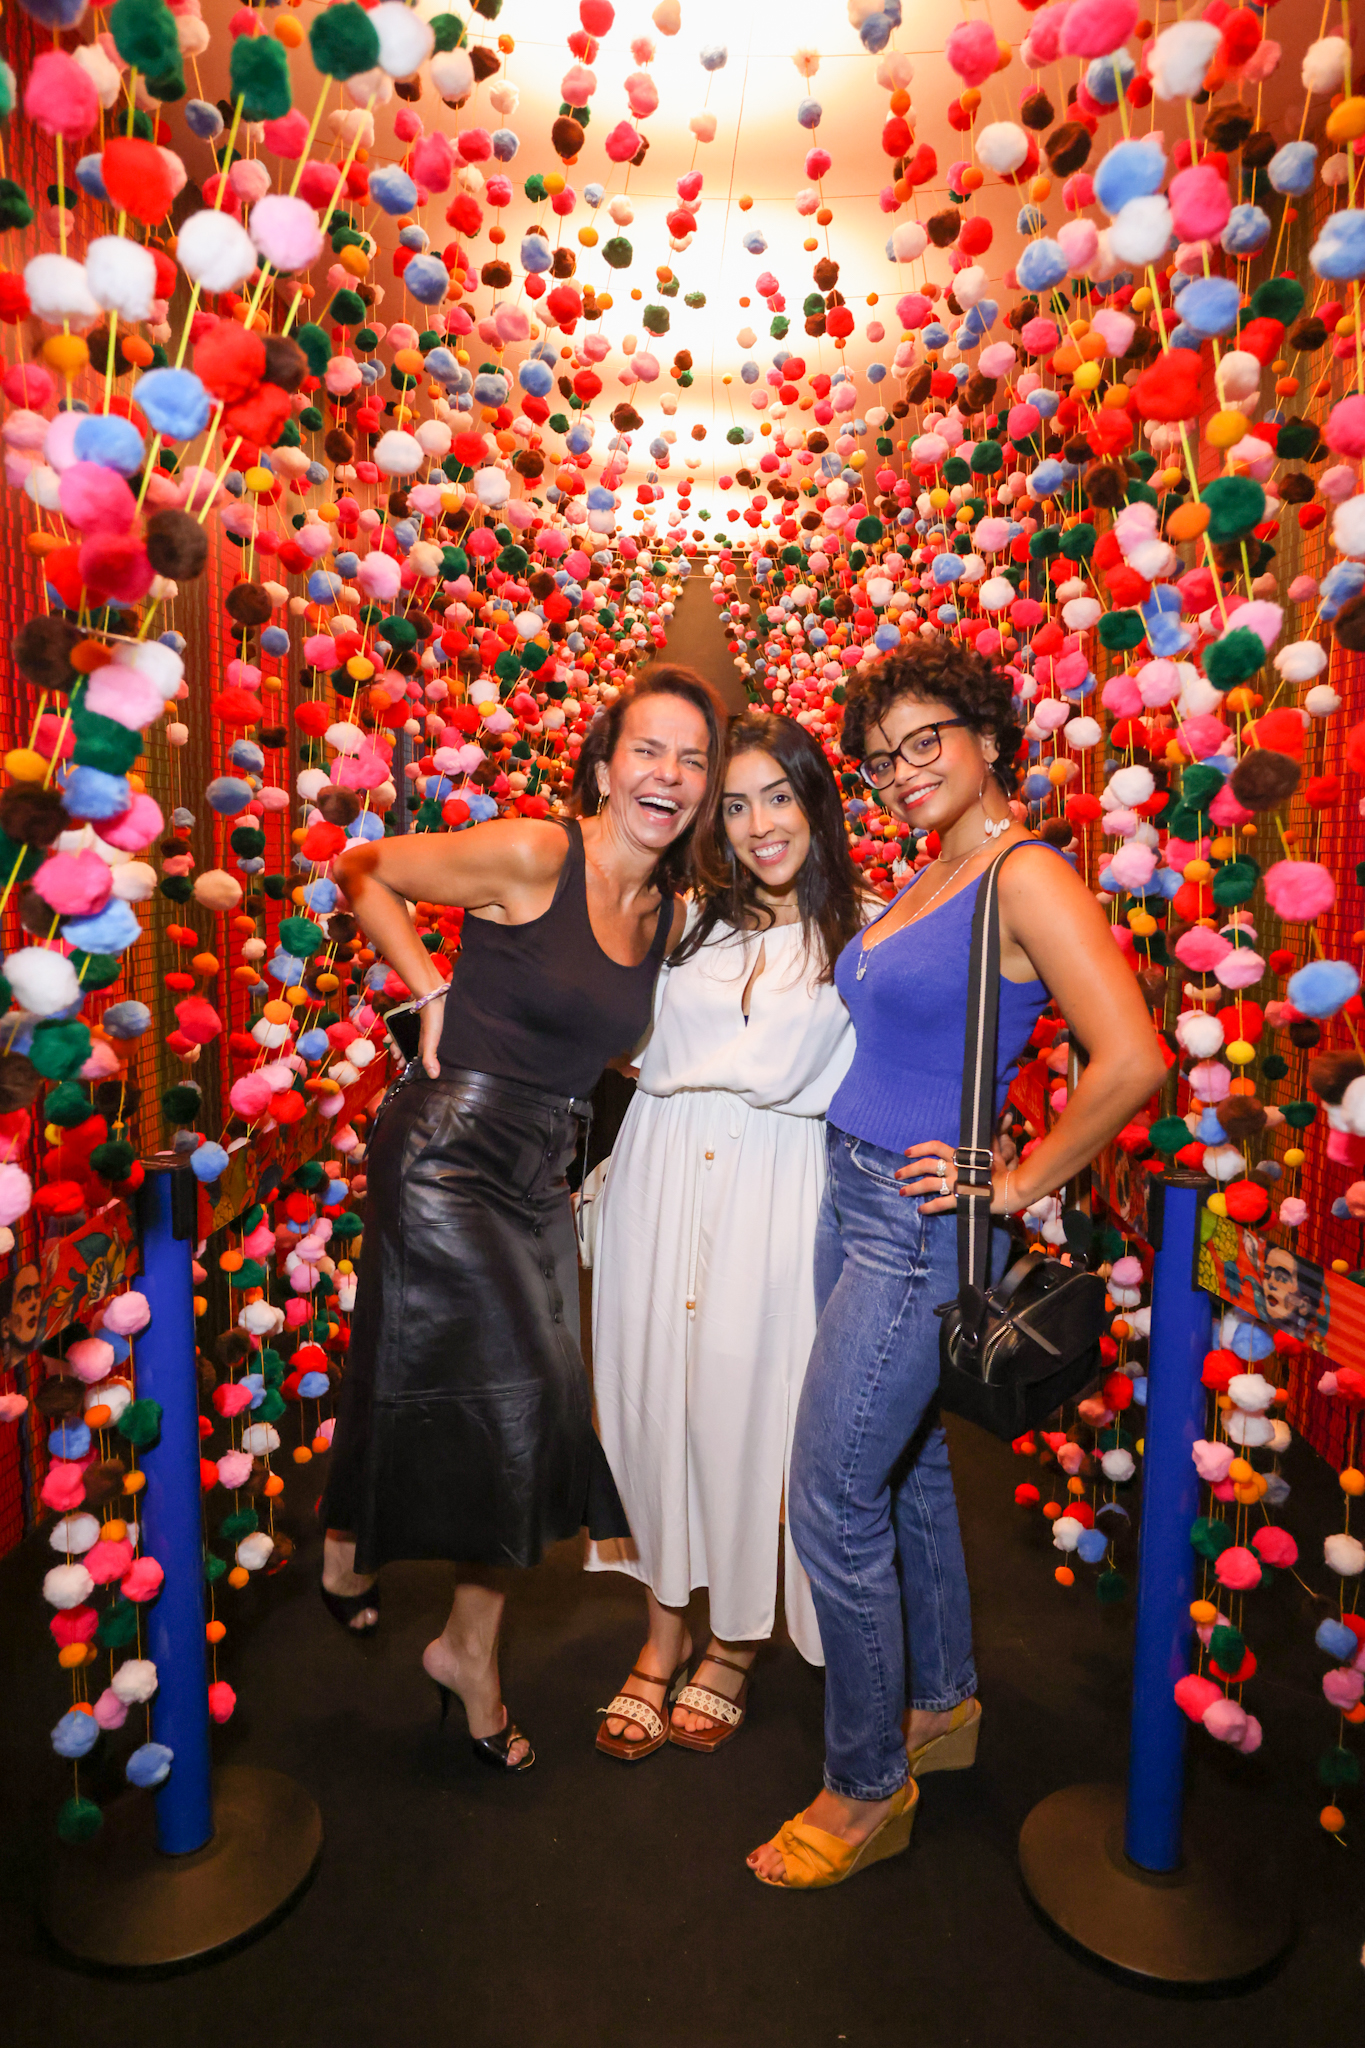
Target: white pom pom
[(1321, 701), (1250, 1392), (452, 74), (150, 658), (286, 230), (215, 251), (1348, 527), (100, 70), (1066, 1532), (1118, 1465), (1324, 65), (67, 1585), (1301, 661), (43, 981), (134, 881), (134, 1681), (1180, 56), (398, 454), (1132, 785), (1001, 147), (57, 290), (995, 593), (1238, 376), (1141, 231), (971, 285), (1350, 1111), (254, 1551), (908, 241), (1199, 1033), (1253, 1432), (1343, 1554), (405, 40), (121, 276), (492, 488), (1080, 613), (260, 1439), (73, 1535), (433, 436)]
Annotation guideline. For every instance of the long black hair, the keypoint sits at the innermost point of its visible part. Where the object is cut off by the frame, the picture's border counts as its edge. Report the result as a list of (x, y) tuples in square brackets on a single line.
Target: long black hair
[(675, 867), (827, 887)]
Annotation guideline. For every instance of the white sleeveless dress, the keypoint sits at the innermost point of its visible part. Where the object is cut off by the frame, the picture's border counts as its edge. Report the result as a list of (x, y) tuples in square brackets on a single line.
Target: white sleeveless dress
[(703, 1281)]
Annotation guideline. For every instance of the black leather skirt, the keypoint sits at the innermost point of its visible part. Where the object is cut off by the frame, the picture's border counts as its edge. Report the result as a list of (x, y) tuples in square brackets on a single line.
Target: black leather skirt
[(464, 1426)]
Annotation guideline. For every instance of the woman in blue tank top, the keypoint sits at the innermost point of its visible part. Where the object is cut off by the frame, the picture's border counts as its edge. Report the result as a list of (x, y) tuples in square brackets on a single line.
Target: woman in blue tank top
[(870, 1508)]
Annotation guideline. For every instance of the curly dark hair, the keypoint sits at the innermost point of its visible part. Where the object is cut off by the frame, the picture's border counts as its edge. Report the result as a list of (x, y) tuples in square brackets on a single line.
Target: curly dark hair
[(938, 671), (674, 869), (827, 887)]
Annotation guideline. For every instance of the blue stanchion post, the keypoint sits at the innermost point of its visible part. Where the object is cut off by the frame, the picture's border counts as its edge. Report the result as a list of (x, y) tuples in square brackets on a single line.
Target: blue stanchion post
[(1176, 1408), (171, 1524)]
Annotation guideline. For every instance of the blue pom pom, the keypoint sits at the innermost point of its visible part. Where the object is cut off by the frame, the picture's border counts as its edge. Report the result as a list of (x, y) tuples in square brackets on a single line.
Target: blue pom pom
[(1334, 1639), (92, 793), (314, 1385), (886, 637), (755, 241), (69, 1440), (246, 755), (126, 1020), (203, 120), (1036, 787), (1041, 265), (506, 143), (714, 57), (810, 113), (1107, 77), (414, 238), (111, 441), (1247, 231), (427, 279), (54, 14), (481, 807), (491, 388), (946, 569), (1131, 170), (536, 253), (149, 1765), (1047, 479), (321, 897), (1339, 251), (368, 826), (594, 194), (392, 190), (1320, 988), (1249, 1341), (1091, 1545), (274, 640), (208, 1162), (1292, 169), (1210, 304), (324, 587), (113, 930), (578, 440), (175, 402), (90, 177), (312, 1045), (228, 794), (875, 33), (1029, 221), (75, 1735)]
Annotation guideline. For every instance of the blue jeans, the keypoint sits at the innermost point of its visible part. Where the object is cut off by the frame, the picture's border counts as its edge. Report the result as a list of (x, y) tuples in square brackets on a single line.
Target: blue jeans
[(871, 1508)]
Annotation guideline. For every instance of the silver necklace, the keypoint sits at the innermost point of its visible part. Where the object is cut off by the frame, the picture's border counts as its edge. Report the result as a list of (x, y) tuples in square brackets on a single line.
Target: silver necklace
[(866, 951)]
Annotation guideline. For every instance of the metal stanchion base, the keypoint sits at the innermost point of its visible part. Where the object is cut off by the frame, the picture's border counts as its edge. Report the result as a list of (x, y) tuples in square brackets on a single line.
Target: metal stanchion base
[(118, 1903), (1190, 1927)]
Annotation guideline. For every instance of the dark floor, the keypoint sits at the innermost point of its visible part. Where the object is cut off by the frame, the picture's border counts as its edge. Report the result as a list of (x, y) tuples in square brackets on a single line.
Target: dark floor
[(589, 1903)]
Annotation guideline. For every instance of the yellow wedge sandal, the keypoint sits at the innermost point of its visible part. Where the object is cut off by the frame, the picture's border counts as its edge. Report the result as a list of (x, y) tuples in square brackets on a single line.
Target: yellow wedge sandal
[(955, 1749), (815, 1859)]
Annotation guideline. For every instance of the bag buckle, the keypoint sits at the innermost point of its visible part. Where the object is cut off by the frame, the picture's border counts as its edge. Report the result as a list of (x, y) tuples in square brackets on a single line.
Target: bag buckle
[(975, 1166)]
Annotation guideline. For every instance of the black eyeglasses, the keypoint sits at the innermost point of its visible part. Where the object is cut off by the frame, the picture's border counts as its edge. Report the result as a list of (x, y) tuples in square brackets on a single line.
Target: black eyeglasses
[(919, 749)]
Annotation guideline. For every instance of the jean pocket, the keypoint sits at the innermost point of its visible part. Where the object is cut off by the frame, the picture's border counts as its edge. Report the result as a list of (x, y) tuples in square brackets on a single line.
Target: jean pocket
[(874, 1164)]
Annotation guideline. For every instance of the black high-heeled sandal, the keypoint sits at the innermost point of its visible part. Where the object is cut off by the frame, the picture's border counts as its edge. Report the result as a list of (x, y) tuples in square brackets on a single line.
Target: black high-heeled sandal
[(344, 1607), (492, 1750)]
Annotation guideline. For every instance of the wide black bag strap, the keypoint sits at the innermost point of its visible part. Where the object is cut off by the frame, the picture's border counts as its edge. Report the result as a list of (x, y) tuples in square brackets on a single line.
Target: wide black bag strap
[(974, 1151)]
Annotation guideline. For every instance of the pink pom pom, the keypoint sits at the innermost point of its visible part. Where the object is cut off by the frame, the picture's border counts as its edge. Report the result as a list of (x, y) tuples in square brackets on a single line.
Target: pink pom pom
[(1344, 432), (107, 1561), (1275, 1547), (1299, 890), (124, 694), (27, 384), (95, 499), (1225, 811), (1200, 203), (1095, 28), (1225, 1720), (1194, 1696), (1200, 949), (63, 1485), (234, 1469), (1211, 1461), (433, 162), (622, 143), (16, 1193), (232, 1398), (91, 1359), (319, 182), (1251, 1737), (110, 1711), (296, 1312), (250, 1096), (973, 51), (134, 829), (143, 1582), (1239, 967), (287, 136), (74, 884), (126, 1314), (60, 97), (1342, 1689), (1238, 1568), (222, 1701)]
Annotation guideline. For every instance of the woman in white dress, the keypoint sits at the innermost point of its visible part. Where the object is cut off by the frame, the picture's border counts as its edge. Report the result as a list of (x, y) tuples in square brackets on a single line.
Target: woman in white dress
[(704, 1295)]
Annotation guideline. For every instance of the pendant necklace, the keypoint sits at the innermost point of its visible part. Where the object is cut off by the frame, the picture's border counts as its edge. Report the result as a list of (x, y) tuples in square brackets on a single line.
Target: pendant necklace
[(992, 832)]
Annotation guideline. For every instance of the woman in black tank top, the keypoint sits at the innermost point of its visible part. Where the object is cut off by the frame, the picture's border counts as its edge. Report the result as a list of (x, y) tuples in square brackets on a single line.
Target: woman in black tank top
[(464, 1428)]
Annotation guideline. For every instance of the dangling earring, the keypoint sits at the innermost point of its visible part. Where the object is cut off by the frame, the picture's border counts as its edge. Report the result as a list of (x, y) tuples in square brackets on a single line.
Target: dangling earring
[(601, 799)]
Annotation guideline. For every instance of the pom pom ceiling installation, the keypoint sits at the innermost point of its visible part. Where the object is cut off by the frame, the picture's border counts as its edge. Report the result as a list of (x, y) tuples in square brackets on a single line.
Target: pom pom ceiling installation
[(372, 376)]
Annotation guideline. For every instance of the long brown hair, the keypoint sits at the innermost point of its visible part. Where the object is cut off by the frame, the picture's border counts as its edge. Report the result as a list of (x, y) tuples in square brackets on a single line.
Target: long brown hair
[(674, 869), (827, 887)]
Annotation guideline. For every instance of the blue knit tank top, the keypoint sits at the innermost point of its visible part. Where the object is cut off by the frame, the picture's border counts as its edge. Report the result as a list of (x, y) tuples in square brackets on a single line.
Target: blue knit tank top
[(910, 1015)]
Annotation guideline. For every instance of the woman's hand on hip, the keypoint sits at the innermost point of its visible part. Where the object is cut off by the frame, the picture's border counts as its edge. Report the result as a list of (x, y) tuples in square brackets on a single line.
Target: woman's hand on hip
[(431, 1017), (933, 1173)]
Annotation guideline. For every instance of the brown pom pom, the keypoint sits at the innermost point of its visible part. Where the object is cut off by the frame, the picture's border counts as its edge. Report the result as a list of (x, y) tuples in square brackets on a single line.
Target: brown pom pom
[(1331, 1074), (337, 445), (977, 393), (566, 137), (177, 545), (1105, 485), (1037, 112), (1152, 982), (1067, 148), (1307, 334), (19, 1082), (1241, 1116), (1296, 488), (1258, 149), (42, 651), (1227, 128), (1349, 624), (626, 420), (248, 604), (485, 64), (59, 1396), (338, 806), (1262, 778), (563, 263), (271, 736), (31, 816), (285, 362), (944, 227), (826, 274), (104, 1481), (1057, 832), (1304, 1033), (341, 928), (918, 383), (496, 275), (233, 1348), (34, 915), (117, 1099)]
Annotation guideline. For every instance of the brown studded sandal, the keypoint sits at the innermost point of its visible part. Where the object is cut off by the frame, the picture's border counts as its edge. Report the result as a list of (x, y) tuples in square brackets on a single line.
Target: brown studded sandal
[(628, 1706), (728, 1714)]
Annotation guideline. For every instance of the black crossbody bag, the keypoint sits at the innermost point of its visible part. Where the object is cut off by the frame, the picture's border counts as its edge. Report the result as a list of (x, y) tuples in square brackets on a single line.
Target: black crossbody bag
[(1011, 1354)]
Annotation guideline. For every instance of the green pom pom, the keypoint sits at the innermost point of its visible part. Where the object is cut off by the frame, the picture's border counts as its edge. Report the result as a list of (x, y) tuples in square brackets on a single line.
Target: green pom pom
[(270, 1407), (534, 188), (96, 970), (1169, 1134), (15, 211), (347, 1225), (449, 31), (956, 471), (1227, 1647), (180, 1104), (1111, 1587), (1236, 657), (1210, 1538), (1339, 1767), (734, 435), (301, 937), (233, 1528), (78, 1820), (215, 1567), (169, 87), (512, 560), (140, 1424), (67, 1105), (315, 345), (1299, 1115), (60, 1048), (1279, 298), (1274, 1067), (246, 842), (1045, 543), (102, 742), (118, 1625), (655, 319), (1236, 504), (260, 78), (251, 1273), (342, 41), (986, 458), (399, 632), (145, 36), (1078, 542), (347, 308), (1236, 881), (177, 888), (1121, 630), (1199, 786), (454, 563), (113, 1161)]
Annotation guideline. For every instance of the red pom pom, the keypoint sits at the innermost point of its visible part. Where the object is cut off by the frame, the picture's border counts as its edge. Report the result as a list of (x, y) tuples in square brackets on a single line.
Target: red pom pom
[(313, 718), (1169, 390), (222, 1700), (1026, 1496), (198, 1020), (1220, 1367), (137, 178), (1247, 1201), (229, 361), (322, 842)]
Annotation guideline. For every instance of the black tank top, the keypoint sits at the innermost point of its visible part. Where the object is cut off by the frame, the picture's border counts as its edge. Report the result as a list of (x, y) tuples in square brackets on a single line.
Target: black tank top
[(541, 1002)]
